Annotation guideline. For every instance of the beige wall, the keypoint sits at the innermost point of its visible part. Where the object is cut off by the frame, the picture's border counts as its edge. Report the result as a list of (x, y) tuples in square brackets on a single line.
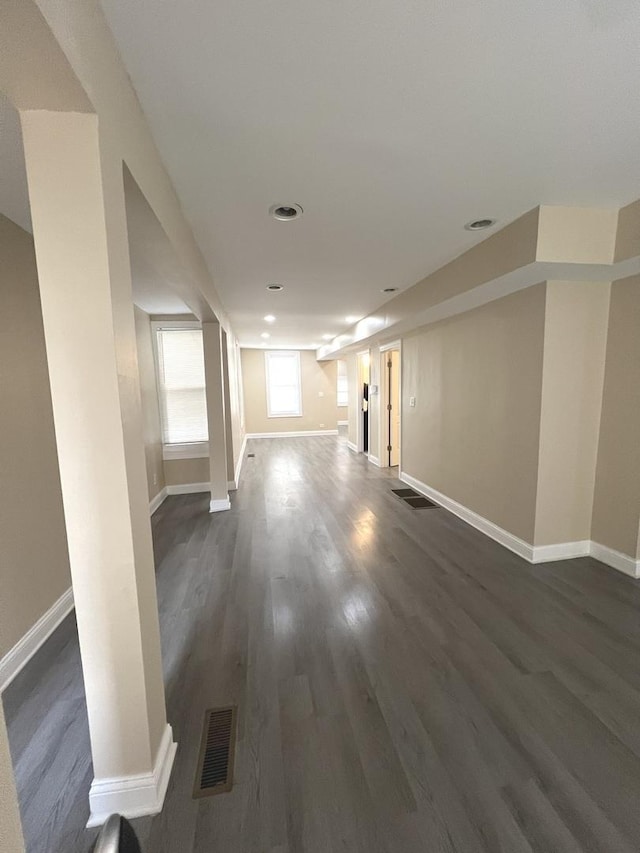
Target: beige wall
[(616, 510), (317, 412), (179, 472), (152, 431), (628, 237), (474, 432), (34, 562), (575, 341)]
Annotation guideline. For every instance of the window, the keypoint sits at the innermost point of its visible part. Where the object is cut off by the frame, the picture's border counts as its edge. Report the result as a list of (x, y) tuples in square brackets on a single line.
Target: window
[(284, 398), (181, 385), (342, 395)]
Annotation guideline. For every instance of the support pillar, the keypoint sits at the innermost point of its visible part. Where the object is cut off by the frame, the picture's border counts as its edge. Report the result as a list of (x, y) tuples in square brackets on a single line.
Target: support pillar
[(11, 838), (77, 207), (228, 427), (212, 342)]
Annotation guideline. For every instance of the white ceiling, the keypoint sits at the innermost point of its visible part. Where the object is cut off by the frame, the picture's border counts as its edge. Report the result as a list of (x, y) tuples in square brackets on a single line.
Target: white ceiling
[(391, 123)]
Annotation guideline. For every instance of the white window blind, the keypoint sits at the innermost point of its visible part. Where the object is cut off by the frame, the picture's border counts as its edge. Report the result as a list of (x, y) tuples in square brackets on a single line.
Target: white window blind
[(284, 397), (181, 386), (342, 391)]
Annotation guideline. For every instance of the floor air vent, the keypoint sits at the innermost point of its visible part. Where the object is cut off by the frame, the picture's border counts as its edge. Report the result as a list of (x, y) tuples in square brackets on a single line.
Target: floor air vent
[(415, 500), (217, 748), (420, 503)]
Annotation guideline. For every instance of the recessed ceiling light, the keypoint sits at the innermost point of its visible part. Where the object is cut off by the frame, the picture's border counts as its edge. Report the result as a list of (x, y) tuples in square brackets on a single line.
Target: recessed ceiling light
[(275, 288), (479, 224), (327, 337), (389, 289), (285, 212), (269, 318), (265, 335), (351, 319)]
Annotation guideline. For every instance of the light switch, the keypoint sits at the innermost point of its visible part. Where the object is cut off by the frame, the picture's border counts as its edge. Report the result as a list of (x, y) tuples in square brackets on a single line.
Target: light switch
[(412, 402)]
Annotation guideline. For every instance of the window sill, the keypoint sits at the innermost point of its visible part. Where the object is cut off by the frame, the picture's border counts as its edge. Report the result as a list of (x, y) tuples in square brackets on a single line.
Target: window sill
[(292, 415), (192, 450)]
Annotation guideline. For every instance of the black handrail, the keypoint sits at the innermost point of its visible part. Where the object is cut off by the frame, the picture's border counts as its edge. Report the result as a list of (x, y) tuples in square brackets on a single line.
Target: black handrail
[(117, 836)]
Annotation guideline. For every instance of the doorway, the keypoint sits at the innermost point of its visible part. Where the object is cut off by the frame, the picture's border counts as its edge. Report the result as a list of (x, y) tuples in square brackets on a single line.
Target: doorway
[(364, 376), (391, 410)]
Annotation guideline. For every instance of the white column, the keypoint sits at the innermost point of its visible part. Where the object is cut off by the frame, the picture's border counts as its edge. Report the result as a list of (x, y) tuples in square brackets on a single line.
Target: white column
[(231, 464), (10, 828), (215, 414), (83, 269)]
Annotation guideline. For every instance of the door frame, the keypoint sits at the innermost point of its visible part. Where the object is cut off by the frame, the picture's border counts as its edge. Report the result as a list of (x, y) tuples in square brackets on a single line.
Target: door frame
[(383, 430), (359, 419)]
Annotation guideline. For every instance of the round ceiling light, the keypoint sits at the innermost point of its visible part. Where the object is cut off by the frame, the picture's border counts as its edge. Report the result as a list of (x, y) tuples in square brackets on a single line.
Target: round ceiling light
[(269, 318), (265, 335), (389, 289), (285, 212), (275, 288), (479, 224)]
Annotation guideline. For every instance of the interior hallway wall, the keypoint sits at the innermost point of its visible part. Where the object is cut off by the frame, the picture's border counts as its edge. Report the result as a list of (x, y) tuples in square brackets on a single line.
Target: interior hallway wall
[(616, 509), (34, 561), (318, 412), (474, 432), (575, 339), (351, 360), (152, 430)]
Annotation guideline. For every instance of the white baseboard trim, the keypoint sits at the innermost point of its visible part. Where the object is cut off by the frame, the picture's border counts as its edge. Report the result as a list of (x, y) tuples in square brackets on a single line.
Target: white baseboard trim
[(513, 543), (343, 423), (352, 446), (188, 488), (154, 503), (220, 504), (304, 433), (560, 551), (533, 554), (134, 796), (375, 460), (17, 657), (616, 559)]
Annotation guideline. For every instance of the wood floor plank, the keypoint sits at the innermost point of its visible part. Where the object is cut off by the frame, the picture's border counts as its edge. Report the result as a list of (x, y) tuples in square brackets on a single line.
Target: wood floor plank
[(403, 683)]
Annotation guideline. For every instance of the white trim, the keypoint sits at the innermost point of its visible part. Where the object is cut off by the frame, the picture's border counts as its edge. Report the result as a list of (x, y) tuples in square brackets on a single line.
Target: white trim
[(134, 796), (616, 559), (17, 657), (219, 504), (374, 460), (232, 486), (188, 450), (513, 543), (393, 345), (154, 503), (352, 446), (304, 433), (343, 423), (533, 554), (561, 551), (188, 488)]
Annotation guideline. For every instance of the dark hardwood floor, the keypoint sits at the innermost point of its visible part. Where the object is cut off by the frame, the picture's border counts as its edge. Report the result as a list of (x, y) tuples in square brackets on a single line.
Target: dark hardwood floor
[(404, 683)]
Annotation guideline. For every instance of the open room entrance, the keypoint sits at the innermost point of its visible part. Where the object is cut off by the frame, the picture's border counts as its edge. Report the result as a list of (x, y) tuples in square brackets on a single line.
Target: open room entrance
[(390, 411), (364, 376)]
